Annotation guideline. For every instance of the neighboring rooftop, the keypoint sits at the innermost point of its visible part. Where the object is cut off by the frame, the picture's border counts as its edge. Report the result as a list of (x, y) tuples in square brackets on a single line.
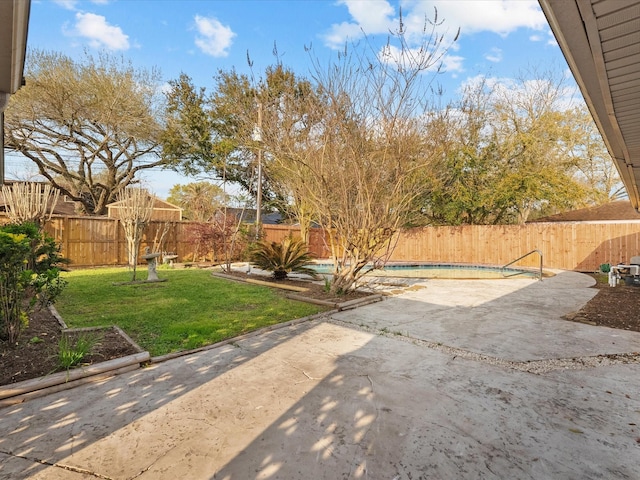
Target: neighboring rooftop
[(614, 211), (162, 210)]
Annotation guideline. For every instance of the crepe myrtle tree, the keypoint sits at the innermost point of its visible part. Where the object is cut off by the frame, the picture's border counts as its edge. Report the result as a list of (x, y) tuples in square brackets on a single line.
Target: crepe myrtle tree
[(359, 145), (29, 202), (134, 212)]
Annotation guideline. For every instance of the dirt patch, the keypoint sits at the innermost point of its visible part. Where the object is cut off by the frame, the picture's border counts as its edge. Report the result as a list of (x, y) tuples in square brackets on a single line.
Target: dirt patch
[(36, 354), (615, 307)]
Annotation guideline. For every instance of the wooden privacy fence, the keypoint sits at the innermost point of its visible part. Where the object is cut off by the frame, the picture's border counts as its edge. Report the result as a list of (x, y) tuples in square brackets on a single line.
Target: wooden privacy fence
[(580, 246), (100, 241), (317, 241)]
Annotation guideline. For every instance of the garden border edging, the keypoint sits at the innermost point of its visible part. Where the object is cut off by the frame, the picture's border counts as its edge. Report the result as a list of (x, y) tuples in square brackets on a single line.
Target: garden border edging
[(22, 391), (15, 393), (340, 306)]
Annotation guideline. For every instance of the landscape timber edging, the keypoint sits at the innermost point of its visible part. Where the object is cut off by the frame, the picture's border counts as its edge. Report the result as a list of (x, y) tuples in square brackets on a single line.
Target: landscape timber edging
[(348, 305), (19, 392), (301, 298), (263, 283)]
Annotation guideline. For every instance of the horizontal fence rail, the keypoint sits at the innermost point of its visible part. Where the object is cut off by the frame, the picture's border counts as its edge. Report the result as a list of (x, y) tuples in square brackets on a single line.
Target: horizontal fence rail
[(579, 246)]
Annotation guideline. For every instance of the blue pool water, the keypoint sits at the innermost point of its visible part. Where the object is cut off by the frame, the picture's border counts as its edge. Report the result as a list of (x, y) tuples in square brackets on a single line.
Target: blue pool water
[(444, 271)]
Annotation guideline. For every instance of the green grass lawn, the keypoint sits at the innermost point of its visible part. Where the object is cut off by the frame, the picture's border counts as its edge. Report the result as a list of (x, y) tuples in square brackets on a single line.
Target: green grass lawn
[(189, 310)]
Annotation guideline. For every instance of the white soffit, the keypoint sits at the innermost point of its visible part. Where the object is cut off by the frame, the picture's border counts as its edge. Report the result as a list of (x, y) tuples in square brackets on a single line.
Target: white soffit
[(14, 22), (601, 41)]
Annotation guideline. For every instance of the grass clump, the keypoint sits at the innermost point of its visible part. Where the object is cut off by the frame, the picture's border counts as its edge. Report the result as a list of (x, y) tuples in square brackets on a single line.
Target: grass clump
[(191, 309), (71, 351)]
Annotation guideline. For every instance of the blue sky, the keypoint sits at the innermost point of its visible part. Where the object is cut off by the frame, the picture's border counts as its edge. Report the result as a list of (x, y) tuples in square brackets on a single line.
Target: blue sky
[(499, 38)]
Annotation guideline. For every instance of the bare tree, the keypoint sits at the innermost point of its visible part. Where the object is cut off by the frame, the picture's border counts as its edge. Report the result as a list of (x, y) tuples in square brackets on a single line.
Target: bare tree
[(29, 201), (593, 162), (360, 152), (89, 126), (136, 208)]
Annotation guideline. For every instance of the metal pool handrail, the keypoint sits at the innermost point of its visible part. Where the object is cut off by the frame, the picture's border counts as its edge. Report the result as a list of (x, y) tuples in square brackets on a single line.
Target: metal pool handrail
[(520, 258)]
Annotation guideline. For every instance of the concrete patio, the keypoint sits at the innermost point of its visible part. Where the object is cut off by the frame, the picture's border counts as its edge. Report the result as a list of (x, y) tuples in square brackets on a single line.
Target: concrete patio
[(451, 379)]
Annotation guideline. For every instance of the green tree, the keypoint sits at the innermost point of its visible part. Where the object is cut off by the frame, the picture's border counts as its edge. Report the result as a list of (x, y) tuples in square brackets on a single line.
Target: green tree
[(463, 188), (189, 142), (512, 153), (89, 126), (199, 200), (215, 133)]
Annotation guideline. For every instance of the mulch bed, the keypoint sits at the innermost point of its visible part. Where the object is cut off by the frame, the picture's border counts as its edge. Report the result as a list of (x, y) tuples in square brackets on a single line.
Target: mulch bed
[(36, 354), (617, 307)]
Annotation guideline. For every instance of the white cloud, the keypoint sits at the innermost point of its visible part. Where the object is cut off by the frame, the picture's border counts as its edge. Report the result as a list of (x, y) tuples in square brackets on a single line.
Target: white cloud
[(68, 4), (379, 17), (498, 16), (370, 17), (518, 90), (446, 63), (341, 33), (165, 88), (473, 16), (452, 63), (213, 38), (99, 33), (494, 55), (71, 4)]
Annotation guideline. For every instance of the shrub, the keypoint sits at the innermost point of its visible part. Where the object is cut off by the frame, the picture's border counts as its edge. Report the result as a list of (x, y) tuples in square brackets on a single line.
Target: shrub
[(291, 255), (224, 237), (29, 276)]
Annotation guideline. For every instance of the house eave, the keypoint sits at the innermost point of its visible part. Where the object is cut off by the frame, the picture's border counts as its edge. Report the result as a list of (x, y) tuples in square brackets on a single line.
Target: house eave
[(599, 41)]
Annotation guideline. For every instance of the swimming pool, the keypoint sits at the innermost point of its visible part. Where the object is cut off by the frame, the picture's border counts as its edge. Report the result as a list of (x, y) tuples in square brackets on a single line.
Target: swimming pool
[(441, 271)]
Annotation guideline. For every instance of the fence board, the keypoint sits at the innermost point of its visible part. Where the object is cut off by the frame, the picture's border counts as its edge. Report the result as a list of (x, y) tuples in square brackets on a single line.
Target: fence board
[(580, 246)]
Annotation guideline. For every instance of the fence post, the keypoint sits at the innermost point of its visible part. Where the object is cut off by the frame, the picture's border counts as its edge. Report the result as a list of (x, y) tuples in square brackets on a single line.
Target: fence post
[(117, 223), (65, 235)]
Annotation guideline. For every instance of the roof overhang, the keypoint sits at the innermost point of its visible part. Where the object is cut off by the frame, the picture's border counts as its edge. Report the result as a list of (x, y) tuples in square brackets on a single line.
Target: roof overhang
[(600, 40), (14, 24), (14, 18)]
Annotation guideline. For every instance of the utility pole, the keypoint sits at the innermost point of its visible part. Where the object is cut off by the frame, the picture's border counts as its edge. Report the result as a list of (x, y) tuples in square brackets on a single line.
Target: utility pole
[(258, 137)]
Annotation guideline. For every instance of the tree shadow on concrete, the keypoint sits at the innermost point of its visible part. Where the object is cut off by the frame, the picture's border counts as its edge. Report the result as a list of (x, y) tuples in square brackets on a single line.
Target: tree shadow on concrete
[(331, 400)]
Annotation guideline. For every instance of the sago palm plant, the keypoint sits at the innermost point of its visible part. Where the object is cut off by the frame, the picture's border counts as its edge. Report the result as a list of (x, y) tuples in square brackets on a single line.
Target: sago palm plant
[(290, 255)]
